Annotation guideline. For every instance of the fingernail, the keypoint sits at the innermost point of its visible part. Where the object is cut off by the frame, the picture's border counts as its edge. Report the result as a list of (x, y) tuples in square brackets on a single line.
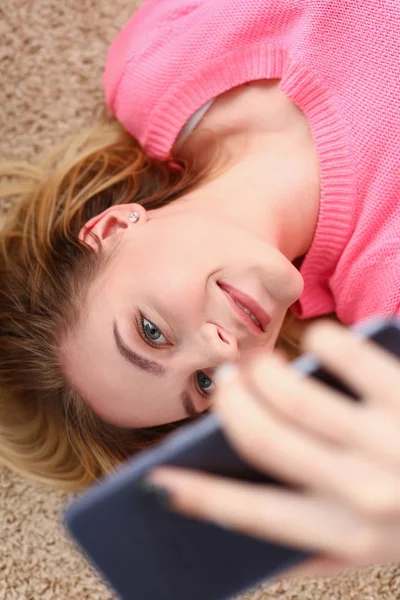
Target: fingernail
[(225, 372), (154, 492)]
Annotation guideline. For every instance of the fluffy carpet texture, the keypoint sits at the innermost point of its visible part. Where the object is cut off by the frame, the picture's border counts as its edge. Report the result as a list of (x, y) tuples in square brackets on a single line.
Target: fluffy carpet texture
[(51, 59)]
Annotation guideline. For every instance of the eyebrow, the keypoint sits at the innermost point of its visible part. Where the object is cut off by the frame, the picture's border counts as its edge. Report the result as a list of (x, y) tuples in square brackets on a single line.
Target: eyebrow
[(143, 363), (150, 366), (188, 405)]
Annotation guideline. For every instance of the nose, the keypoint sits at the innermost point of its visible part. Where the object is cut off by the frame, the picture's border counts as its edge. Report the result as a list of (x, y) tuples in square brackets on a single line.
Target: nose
[(221, 345)]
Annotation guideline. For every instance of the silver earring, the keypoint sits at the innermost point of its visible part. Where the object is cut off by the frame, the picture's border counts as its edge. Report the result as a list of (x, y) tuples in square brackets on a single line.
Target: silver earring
[(134, 217)]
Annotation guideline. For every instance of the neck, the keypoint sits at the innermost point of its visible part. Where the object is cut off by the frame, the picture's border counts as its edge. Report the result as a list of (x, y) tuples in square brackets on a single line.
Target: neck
[(270, 182)]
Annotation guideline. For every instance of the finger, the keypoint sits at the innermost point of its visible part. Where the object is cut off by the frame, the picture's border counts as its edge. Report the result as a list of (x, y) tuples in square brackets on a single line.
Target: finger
[(363, 365), (325, 413), (303, 401), (305, 522), (274, 446)]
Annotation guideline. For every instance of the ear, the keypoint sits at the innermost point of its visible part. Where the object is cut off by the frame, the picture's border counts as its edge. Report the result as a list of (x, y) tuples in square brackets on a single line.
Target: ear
[(112, 221)]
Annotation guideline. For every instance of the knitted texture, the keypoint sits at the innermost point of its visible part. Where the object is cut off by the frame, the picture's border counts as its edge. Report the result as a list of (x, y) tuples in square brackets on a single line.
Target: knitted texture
[(339, 62)]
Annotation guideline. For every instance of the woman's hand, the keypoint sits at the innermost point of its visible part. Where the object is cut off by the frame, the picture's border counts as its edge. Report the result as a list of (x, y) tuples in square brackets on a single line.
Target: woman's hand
[(344, 455)]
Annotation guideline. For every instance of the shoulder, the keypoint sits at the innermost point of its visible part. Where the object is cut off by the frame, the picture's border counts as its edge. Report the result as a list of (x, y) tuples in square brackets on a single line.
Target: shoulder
[(147, 29)]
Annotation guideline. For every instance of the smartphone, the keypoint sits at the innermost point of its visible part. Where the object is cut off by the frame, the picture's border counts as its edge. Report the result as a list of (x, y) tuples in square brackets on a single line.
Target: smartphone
[(148, 552)]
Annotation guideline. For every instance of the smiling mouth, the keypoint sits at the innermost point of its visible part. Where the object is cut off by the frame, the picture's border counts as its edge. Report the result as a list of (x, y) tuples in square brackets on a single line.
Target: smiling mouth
[(246, 310), (250, 312)]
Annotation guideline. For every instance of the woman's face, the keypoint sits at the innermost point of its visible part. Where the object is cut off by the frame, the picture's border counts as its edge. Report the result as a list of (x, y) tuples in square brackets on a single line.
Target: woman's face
[(162, 315)]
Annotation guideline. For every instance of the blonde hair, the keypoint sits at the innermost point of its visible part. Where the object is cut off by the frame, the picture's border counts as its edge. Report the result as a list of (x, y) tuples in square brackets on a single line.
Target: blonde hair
[(46, 431)]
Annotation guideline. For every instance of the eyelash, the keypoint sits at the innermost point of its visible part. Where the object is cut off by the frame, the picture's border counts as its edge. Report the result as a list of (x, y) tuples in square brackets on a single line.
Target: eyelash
[(202, 393), (143, 335)]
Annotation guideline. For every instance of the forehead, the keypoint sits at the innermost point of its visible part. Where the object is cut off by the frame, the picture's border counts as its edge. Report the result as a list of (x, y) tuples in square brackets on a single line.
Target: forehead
[(116, 390)]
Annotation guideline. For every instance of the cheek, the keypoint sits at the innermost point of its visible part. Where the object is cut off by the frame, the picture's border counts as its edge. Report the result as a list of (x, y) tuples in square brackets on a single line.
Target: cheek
[(179, 293), (173, 271), (178, 286)]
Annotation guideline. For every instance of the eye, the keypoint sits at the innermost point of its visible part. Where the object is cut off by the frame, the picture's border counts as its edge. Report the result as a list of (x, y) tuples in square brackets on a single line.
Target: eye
[(204, 383), (151, 334)]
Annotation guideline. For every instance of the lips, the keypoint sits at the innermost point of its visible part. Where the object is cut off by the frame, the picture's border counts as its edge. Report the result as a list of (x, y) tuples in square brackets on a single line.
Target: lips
[(258, 320)]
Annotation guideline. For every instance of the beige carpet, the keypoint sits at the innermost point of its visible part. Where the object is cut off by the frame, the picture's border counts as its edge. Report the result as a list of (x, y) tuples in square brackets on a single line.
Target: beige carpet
[(51, 58)]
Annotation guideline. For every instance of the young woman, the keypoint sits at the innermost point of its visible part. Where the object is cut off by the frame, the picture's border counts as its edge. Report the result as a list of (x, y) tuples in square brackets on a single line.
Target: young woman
[(263, 178)]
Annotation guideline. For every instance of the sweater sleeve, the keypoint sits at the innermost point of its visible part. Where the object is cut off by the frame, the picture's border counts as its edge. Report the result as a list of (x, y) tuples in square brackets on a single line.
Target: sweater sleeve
[(371, 289), (151, 26)]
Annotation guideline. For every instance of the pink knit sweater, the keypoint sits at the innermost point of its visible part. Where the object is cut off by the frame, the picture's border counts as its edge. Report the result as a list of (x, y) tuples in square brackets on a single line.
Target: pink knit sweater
[(339, 61)]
